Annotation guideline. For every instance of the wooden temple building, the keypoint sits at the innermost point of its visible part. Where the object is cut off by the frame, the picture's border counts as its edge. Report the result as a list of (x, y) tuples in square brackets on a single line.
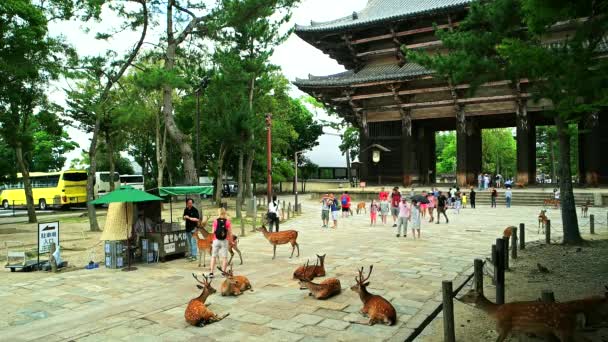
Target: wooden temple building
[(399, 106)]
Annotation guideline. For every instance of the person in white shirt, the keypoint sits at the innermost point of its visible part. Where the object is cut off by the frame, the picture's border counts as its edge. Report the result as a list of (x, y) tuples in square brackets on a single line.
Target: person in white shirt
[(273, 214)]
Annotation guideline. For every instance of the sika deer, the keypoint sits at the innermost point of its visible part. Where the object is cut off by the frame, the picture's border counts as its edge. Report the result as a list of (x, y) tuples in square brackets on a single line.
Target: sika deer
[(585, 208), (281, 238), (311, 272), (508, 231), (197, 313), (540, 318), (327, 288), (542, 221), (378, 309), (361, 207), (233, 285)]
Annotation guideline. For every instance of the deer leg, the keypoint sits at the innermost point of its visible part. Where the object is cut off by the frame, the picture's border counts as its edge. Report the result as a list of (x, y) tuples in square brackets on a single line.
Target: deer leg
[(231, 255), (298, 247), (238, 251), (274, 251), (200, 255), (293, 249)]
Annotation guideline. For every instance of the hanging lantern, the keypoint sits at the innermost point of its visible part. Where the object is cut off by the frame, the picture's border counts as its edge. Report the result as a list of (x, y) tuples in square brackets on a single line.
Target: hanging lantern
[(376, 156)]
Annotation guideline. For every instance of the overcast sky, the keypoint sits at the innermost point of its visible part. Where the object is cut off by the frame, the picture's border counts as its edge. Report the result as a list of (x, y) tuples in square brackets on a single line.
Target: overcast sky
[(296, 57)]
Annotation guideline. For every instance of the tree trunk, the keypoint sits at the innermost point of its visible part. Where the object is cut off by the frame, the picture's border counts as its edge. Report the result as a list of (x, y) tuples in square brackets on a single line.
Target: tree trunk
[(93, 225), (220, 172), (27, 185), (552, 156), (239, 196), (111, 160), (251, 154), (161, 150), (569, 219), (348, 175)]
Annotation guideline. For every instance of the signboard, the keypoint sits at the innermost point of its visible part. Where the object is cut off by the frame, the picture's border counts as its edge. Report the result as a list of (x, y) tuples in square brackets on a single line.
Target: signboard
[(362, 184), (170, 247), (47, 234)]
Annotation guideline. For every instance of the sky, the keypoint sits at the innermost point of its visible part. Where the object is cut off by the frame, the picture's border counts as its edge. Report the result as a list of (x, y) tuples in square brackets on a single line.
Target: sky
[(297, 58)]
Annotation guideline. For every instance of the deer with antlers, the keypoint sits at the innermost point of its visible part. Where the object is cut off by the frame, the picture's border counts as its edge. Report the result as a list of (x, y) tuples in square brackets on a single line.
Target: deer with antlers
[(378, 309), (204, 241), (311, 272), (281, 238), (233, 285), (197, 313)]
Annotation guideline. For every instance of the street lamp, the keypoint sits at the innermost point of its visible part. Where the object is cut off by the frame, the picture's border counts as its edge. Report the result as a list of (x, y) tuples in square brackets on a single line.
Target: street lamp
[(296, 178), (269, 155)]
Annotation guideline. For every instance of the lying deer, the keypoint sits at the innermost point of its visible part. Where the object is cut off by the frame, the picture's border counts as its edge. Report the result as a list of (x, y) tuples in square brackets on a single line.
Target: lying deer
[(585, 208), (542, 221), (361, 207), (311, 272), (378, 309), (540, 318), (281, 238), (233, 285), (204, 241), (327, 288), (197, 313)]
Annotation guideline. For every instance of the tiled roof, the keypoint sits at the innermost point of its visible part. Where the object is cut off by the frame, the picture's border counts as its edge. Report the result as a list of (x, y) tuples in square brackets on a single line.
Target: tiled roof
[(370, 73), (383, 10)]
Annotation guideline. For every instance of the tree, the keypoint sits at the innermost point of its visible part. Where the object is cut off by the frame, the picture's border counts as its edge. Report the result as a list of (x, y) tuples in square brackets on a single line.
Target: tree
[(446, 152), (506, 40), (499, 151)]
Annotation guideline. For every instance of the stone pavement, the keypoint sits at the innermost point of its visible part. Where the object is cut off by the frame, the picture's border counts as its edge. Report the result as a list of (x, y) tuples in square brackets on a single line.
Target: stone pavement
[(148, 304)]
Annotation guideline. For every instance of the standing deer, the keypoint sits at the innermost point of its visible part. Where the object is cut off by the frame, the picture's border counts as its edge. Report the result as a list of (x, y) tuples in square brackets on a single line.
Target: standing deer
[(327, 288), (197, 313), (311, 272), (542, 221), (204, 240), (281, 238), (233, 285), (585, 208), (540, 318), (378, 309)]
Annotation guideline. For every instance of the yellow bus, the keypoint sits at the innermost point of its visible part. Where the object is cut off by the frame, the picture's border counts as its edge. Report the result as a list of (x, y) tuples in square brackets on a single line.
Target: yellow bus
[(50, 189)]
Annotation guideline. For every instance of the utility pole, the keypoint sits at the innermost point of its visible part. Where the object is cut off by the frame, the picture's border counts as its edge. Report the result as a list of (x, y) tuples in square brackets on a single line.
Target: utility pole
[(296, 178), (269, 155)]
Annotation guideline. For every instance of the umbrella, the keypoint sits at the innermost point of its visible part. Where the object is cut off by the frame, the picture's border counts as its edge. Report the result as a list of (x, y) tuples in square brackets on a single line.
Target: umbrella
[(126, 194), (420, 199)]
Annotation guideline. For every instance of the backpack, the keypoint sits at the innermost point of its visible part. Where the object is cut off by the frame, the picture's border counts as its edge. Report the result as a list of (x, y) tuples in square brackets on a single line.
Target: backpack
[(221, 232), (344, 201)]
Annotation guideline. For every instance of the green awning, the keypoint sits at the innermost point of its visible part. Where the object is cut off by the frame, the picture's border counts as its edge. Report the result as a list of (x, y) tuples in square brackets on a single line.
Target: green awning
[(186, 190), (126, 194)]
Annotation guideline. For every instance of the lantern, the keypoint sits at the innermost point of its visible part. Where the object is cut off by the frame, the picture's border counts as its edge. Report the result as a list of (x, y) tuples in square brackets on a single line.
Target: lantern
[(376, 156)]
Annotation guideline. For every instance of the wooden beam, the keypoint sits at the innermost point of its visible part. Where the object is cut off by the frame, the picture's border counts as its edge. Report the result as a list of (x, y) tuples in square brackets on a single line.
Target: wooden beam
[(401, 33), (451, 102), (434, 43)]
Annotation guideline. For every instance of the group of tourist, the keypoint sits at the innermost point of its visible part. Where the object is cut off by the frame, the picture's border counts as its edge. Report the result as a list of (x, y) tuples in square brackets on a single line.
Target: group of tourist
[(485, 181), (331, 207)]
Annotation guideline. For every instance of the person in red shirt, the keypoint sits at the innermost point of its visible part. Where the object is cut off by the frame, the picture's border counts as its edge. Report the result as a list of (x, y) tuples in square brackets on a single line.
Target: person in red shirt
[(383, 196), (395, 200), (345, 201)]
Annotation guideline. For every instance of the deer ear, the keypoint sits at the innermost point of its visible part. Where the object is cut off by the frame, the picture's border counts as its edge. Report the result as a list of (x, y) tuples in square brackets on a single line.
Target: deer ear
[(366, 284)]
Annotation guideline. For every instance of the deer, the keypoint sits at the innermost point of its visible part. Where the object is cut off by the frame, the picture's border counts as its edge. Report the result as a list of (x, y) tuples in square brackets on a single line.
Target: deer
[(197, 313), (585, 208), (541, 318), (361, 207), (233, 285), (326, 289), (378, 309), (508, 231), (281, 238), (311, 272), (204, 241), (542, 221)]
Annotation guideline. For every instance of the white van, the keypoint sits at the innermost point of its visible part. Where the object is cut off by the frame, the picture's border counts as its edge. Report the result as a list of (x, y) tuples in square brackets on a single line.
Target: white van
[(102, 182), (136, 181)]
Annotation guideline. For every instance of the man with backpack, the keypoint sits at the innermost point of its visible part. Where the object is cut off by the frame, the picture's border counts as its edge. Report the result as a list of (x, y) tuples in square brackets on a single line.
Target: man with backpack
[(273, 214), (334, 206), (345, 201), (222, 234)]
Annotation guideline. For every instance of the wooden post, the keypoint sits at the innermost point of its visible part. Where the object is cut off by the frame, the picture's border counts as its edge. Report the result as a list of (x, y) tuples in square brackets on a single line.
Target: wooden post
[(548, 232), (478, 267), (289, 211), (500, 271), (449, 334), (494, 263), (522, 236), (592, 224), (514, 243), (506, 256)]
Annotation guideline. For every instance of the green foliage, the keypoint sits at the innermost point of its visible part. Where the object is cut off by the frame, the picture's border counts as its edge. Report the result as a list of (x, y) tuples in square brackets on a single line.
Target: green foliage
[(445, 143), (351, 142), (499, 152)]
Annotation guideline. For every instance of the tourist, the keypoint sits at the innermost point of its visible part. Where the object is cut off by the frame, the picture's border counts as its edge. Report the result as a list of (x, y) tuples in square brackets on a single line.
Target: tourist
[(273, 214), (498, 180), (373, 212), (441, 207), (395, 200), (423, 206), (457, 201), (464, 199), (493, 196), (383, 195), (345, 201), (453, 196), (479, 181), (404, 216), (412, 192), (415, 218), (325, 205), (556, 194), (384, 210), (508, 196), (222, 234), (335, 210), (486, 181), (431, 206), (472, 197), (191, 216)]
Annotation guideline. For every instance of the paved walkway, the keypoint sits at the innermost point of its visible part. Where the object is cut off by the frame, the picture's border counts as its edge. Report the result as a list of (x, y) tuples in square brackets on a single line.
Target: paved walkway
[(148, 304)]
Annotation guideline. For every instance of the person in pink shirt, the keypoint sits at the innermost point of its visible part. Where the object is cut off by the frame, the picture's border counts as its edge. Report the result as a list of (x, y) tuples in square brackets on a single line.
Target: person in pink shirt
[(222, 234), (373, 212), (404, 216)]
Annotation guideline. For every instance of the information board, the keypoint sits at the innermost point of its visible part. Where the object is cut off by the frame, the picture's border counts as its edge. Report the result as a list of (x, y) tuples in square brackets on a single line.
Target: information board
[(47, 234)]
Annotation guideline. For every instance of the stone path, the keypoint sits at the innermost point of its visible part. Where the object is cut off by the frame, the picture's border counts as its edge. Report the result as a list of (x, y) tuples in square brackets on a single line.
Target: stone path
[(148, 304)]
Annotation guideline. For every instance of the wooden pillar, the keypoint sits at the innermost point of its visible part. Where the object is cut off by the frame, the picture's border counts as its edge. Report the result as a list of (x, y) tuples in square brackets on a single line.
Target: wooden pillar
[(364, 157), (589, 158), (468, 154), (526, 151), (408, 157)]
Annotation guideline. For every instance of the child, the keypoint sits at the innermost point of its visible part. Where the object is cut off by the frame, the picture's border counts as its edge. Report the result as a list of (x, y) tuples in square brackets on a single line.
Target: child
[(373, 213), (464, 200), (384, 209), (415, 218)]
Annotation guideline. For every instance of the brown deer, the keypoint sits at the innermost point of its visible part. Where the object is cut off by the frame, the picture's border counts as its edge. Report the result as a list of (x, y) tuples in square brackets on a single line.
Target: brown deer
[(233, 285), (311, 272), (585, 208), (361, 207), (508, 231), (281, 238), (327, 288), (197, 313), (541, 318), (204, 241), (542, 221), (378, 309)]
